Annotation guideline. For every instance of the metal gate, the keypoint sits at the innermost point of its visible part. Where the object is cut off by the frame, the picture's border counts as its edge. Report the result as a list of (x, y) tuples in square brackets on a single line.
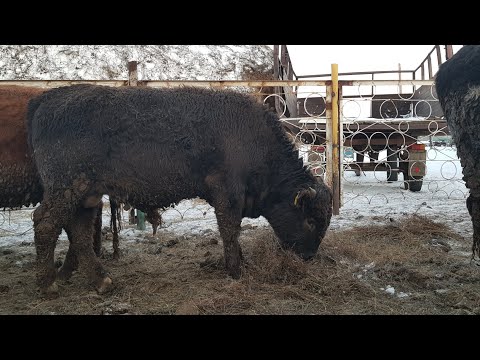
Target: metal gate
[(362, 158)]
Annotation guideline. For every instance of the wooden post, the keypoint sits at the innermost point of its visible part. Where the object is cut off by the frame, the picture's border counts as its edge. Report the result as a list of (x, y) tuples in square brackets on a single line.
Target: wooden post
[(341, 146), (439, 55), (373, 89), (400, 78), (133, 81), (430, 72), (328, 134), (448, 51), (277, 73), (335, 142), (132, 73)]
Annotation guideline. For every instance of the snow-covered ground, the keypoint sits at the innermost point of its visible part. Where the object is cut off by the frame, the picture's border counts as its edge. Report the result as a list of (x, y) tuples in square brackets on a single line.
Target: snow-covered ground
[(366, 201), (368, 198)]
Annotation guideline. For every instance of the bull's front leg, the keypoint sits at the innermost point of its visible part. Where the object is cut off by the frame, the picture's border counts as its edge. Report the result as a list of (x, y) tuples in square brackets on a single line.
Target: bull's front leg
[(154, 218), (229, 222), (228, 203)]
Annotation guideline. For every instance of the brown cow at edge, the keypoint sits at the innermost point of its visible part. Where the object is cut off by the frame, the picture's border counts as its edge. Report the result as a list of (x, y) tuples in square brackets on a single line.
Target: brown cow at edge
[(19, 181), (154, 147)]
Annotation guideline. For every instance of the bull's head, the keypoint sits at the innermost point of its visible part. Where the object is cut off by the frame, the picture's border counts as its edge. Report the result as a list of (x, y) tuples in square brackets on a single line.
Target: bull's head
[(301, 218)]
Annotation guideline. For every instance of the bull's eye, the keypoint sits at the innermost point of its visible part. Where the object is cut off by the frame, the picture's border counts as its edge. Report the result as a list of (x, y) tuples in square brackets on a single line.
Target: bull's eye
[(310, 224)]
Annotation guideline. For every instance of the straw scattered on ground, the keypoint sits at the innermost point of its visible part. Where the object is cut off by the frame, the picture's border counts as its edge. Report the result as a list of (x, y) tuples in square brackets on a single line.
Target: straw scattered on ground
[(408, 266)]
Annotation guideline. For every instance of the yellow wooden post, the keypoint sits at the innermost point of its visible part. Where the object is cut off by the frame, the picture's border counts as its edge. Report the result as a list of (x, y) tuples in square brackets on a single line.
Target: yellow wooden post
[(335, 142)]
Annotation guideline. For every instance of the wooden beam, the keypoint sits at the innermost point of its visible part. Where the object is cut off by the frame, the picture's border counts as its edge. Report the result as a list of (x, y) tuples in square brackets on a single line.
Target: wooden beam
[(439, 55), (132, 73), (449, 51), (430, 73)]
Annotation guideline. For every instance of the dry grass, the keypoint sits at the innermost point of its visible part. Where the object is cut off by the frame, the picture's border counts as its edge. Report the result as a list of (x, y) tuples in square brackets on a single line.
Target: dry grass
[(188, 277)]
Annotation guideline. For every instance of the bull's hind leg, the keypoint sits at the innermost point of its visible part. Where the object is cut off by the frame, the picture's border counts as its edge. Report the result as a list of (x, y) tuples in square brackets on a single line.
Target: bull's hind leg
[(48, 222), (71, 260), (228, 210), (473, 206), (81, 228)]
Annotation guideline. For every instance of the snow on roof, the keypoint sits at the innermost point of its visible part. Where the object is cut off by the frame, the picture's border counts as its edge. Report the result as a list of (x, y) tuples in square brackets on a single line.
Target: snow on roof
[(156, 62)]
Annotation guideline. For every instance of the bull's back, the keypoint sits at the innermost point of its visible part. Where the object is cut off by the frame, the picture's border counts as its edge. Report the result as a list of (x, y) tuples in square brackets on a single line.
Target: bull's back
[(192, 121), (19, 182), (163, 140)]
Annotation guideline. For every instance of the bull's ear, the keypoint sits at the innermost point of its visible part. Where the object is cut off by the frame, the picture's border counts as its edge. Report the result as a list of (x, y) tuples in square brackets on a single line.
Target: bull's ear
[(304, 195)]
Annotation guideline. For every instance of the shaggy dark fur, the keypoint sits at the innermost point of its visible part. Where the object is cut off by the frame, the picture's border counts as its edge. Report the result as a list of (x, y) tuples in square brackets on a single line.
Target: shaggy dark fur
[(20, 183), (154, 147), (458, 88)]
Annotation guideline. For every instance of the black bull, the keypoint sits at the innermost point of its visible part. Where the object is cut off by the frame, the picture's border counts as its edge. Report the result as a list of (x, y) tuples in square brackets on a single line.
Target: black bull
[(458, 87), (154, 147)]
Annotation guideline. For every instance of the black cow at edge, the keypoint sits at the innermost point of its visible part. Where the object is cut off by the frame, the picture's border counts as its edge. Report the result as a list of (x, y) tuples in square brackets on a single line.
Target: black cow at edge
[(153, 147), (458, 87)]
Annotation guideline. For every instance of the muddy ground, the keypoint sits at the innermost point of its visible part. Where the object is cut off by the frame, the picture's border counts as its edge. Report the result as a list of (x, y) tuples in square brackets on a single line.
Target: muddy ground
[(407, 266)]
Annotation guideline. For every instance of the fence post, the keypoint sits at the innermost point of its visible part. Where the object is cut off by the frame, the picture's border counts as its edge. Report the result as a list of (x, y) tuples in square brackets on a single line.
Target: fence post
[(400, 78), (448, 51), (133, 81), (341, 145), (429, 63), (333, 139), (439, 55), (132, 73)]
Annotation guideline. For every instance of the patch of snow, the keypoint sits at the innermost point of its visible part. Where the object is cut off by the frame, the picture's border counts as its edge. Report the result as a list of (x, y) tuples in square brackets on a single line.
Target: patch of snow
[(390, 290)]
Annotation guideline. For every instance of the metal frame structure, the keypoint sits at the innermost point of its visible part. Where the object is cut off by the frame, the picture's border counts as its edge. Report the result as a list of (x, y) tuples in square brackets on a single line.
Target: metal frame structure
[(333, 120)]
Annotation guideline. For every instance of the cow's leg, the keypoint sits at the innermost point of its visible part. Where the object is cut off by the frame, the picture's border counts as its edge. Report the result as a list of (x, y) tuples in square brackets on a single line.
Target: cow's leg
[(229, 223), (82, 233), (49, 219), (113, 226), (154, 218), (473, 206), (71, 260), (228, 203), (97, 234)]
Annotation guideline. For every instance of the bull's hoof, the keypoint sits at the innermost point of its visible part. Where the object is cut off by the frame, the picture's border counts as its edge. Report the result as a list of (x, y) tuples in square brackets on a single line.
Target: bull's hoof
[(234, 272), (104, 285), (64, 273), (116, 255), (50, 291)]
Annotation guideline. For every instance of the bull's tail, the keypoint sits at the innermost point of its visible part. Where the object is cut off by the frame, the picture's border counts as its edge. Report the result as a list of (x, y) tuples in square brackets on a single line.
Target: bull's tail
[(33, 106)]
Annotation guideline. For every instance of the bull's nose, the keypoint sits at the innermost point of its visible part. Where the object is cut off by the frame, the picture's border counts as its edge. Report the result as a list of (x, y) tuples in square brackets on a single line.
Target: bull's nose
[(307, 256)]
